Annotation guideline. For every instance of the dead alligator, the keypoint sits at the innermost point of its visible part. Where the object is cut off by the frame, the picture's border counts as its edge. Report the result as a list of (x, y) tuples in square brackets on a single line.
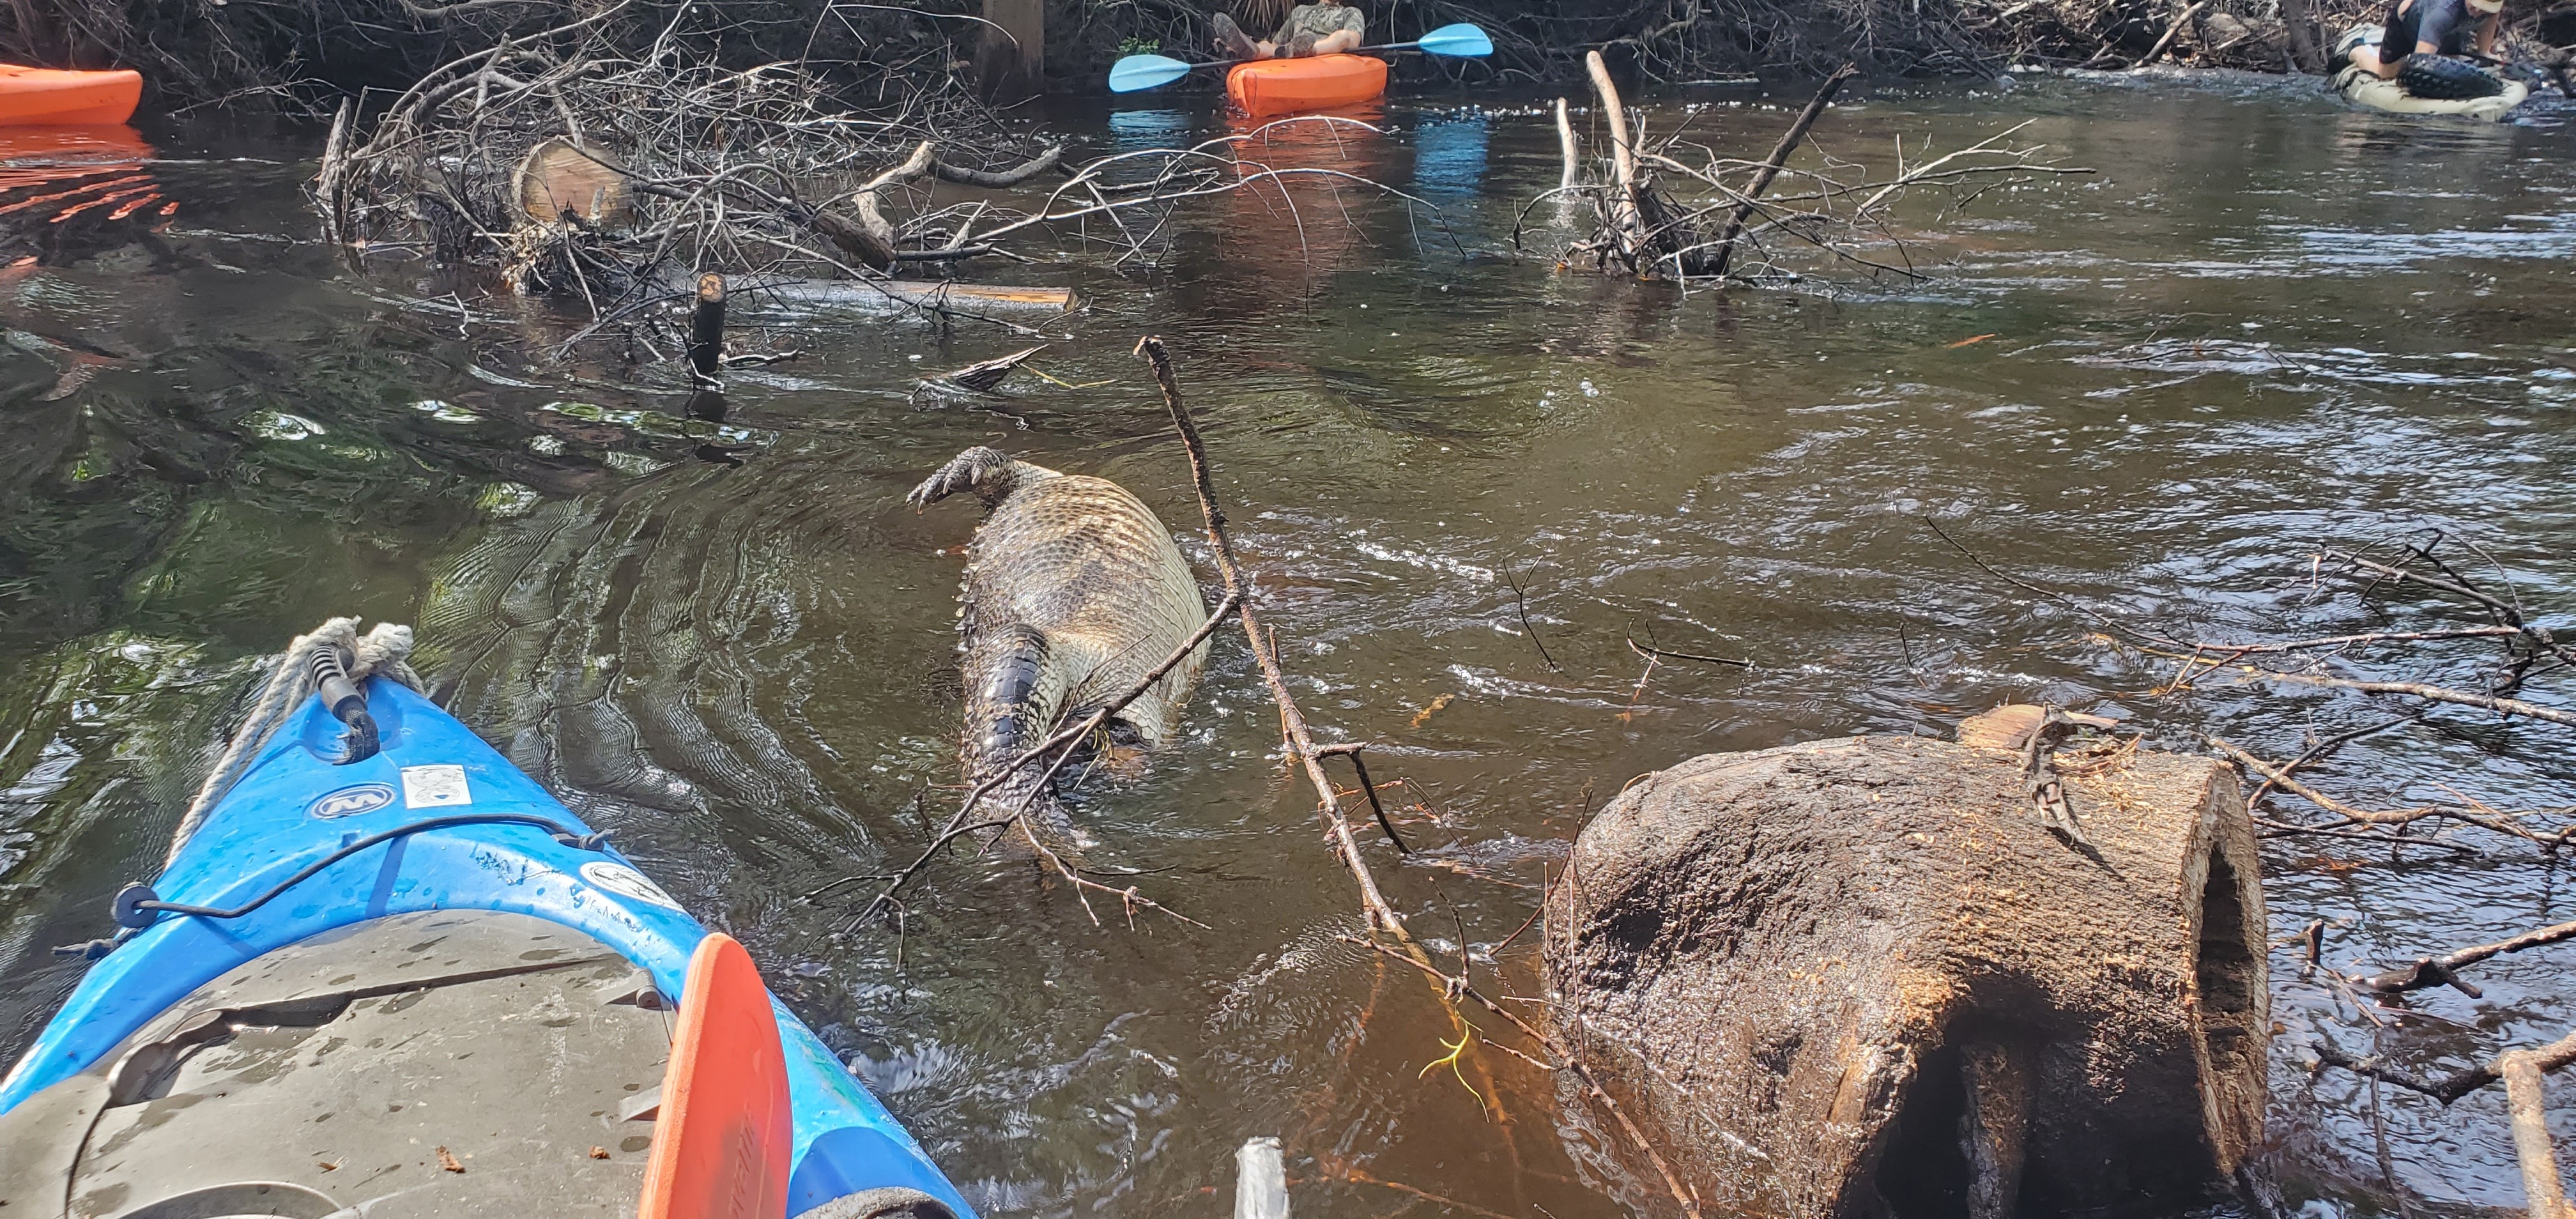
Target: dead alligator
[(1073, 592)]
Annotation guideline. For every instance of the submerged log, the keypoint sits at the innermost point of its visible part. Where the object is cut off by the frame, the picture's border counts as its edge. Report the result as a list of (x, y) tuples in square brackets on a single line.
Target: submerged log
[(1859, 978), (919, 293), (985, 376)]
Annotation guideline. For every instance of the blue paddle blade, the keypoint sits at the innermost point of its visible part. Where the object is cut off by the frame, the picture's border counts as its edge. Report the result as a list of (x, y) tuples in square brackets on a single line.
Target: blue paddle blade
[(1462, 39), (1146, 72)]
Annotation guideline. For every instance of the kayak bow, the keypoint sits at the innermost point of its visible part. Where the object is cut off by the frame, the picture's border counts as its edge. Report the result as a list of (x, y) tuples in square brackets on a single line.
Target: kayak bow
[(1298, 86), (45, 96), (416, 984)]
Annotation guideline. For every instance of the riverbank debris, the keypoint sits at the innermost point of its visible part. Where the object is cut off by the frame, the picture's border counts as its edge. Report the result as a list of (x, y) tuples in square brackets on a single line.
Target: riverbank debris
[(1726, 226), (1867, 965), (608, 177), (985, 376)]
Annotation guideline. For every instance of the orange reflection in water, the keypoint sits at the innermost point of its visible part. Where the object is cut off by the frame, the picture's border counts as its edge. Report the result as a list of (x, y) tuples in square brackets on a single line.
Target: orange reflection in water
[(1295, 214), (56, 173)]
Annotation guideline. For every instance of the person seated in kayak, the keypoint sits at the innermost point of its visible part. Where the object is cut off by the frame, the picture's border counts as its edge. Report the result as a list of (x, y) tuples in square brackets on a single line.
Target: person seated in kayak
[(1326, 27), (2429, 27)]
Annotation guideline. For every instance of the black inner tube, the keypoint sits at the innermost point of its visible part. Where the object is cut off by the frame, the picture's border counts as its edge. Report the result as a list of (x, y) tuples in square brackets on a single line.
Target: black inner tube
[(2444, 78)]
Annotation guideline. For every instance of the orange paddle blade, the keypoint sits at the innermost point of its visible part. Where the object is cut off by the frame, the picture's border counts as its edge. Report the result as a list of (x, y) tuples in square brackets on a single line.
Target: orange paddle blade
[(720, 1145)]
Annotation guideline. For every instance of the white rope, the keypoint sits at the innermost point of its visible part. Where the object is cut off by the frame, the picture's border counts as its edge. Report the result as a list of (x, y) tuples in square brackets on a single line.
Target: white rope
[(383, 652)]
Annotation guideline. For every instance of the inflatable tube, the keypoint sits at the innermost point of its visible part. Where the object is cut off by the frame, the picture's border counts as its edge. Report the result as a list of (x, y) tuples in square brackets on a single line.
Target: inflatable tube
[(42, 96), (2443, 78), (2362, 88), (1270, 87)]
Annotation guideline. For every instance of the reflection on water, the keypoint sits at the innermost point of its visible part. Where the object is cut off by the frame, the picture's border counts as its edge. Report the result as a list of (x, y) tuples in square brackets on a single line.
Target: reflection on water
[(709, 622), (1136, 129), (52, 175), (1449, 158)]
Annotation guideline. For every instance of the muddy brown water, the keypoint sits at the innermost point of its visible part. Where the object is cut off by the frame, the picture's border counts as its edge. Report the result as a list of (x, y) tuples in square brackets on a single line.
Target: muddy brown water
[(1463, 478)]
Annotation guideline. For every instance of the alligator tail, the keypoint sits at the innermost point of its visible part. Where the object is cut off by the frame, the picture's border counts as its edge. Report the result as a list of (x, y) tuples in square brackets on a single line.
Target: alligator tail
[(1012, 709)]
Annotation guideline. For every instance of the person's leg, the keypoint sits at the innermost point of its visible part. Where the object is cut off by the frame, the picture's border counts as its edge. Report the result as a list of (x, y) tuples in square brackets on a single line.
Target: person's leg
[(1231, 40), (1338, 42)]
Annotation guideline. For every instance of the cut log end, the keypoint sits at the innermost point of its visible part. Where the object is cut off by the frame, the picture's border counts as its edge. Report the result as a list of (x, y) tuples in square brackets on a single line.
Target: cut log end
[(559, 177), (2008, 727)]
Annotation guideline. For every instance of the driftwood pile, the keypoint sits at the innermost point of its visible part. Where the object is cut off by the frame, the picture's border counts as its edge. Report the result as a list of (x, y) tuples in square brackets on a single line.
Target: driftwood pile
[(609, 178), (577, 170)]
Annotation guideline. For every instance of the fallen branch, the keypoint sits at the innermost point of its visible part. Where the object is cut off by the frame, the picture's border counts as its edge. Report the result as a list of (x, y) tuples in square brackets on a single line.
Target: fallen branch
[(958, 825), (2339, 641), (2277, 777), (1651, 652), (2521, 1070), (2438, 971), (2180, 20), (1292, 721), (1771, 165), (1382, 917), (2504, 612), (2542, 1188), (1359, 766), (2412, 689), (1520, 603), (873, 239)]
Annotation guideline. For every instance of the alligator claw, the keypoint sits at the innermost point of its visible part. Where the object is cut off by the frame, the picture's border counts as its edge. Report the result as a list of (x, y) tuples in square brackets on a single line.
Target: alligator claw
[(979, 469)]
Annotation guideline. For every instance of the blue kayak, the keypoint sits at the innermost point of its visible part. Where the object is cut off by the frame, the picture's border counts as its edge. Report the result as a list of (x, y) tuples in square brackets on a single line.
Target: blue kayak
[(412, 984)]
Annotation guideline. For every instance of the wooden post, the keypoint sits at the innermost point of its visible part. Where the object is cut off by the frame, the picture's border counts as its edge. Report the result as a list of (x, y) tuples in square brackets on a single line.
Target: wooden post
[(1565, 144), (2542, 1192), (2302, 29), (1010, 60), (706, 327), (1623, 160)]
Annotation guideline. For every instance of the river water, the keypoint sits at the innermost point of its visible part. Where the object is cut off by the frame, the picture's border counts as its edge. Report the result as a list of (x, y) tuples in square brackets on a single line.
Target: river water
[(1463, 479)]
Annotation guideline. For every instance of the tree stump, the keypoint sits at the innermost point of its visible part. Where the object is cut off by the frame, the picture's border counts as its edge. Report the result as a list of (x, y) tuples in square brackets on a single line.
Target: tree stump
[(1858, 978), (1010, 56)]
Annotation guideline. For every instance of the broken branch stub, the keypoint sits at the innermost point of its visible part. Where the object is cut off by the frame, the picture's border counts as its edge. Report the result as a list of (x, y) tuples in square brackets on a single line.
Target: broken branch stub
[(1772, 164), (1623, 157), (706, 327), (1843, 971)]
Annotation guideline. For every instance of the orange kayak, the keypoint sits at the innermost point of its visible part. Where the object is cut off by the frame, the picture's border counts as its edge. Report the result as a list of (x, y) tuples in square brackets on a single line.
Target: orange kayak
[(45, 96), (1319, 82)]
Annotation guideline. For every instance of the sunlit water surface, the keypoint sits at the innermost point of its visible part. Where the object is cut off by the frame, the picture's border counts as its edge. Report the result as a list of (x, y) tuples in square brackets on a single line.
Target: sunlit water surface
[(2268, 321)]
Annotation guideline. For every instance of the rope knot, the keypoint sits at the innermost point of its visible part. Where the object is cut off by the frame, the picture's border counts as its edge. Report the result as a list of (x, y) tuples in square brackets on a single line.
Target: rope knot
[(382, 652)]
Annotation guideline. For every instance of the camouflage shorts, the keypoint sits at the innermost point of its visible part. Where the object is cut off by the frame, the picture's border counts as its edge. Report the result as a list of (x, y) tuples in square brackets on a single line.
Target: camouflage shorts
[(1316, 21)]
